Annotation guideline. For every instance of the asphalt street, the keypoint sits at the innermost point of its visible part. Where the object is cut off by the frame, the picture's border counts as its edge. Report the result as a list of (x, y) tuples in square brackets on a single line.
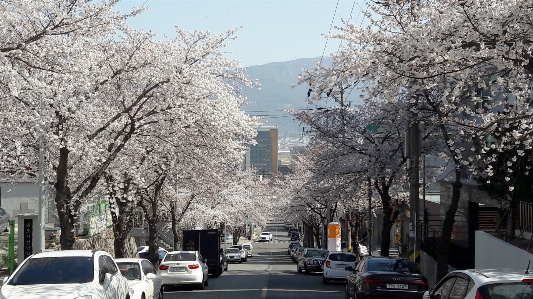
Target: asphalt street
[(269, 274)]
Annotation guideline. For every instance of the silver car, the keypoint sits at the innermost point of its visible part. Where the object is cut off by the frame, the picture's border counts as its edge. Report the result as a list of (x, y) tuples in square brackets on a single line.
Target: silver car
[(233, 255)]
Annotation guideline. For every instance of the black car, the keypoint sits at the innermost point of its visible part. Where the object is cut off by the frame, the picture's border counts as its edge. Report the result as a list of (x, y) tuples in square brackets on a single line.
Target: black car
[(292, 229), (295, 236), (292, 245), (385, 277)]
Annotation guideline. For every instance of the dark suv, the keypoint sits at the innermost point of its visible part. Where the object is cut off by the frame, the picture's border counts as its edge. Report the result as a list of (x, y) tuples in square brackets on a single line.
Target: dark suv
[(295, 236), (292, 229)]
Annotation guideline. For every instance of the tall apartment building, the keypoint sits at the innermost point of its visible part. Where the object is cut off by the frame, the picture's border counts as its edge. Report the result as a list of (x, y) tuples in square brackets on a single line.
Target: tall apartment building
[(263, 157)]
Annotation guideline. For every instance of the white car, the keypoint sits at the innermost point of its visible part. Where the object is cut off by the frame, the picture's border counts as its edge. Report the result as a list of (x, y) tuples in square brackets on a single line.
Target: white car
[(69, 274), (142, 278), (335, 266), (184, 268), (483, 284), (249, 249), (265, 236)]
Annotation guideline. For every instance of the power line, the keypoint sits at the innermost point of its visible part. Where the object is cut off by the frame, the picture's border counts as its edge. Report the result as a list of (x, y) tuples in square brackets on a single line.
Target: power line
[(330, 26)]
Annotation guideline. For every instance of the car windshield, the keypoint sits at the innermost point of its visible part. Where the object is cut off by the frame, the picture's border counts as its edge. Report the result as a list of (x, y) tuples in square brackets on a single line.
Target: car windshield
[(316, 253), (183, 256), (232, 250), (55, 270), (247, 247), (265, 233), (510, 290), (130, 270), (341, 257), (392, 265)]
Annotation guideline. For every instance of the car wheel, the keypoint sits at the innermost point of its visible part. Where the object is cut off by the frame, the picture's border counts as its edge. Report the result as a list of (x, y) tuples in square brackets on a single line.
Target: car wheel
[(200, 286), (240, 262), (324, 280), (160, 293), (307, 270)]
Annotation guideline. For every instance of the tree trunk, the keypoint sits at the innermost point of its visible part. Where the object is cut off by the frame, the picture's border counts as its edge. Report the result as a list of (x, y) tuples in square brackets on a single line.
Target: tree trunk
[(447, 227), (513, 205), (174, 228), (387, 224), (63, 202), (153, 246)]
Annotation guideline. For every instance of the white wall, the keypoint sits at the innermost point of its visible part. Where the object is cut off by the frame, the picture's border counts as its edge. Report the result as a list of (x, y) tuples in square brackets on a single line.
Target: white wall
[(21, 192), (492, 253)]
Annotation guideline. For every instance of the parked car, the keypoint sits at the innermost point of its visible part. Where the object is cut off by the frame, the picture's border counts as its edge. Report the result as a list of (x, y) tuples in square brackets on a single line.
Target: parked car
[(249, 249), (297, 253), (385, 277), (143, 252), (142, 278), (311, 260), (335, 266), (78, 273), (291, 229), (483, 284), (295, 236), (265, 236), (233, 255), (242, 250), (223, 260), (291, 246), (184, 268)]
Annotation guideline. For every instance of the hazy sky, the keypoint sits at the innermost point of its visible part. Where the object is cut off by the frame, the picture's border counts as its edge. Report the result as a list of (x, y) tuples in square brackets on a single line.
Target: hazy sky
[(273, 30)]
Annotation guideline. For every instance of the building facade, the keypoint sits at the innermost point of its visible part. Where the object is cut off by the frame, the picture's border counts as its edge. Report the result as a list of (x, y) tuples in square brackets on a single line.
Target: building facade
[(263, 157)]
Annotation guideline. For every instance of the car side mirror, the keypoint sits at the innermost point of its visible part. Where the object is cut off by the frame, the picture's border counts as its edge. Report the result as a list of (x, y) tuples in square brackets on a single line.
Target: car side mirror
[(104, 277), (150, 276)]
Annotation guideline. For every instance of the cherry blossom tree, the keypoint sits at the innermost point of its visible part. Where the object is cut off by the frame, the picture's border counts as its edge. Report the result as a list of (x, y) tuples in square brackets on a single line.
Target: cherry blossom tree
[(443, 55)]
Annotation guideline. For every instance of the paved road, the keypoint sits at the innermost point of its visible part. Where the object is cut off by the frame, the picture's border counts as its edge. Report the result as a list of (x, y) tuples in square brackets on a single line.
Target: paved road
[(269, 274)]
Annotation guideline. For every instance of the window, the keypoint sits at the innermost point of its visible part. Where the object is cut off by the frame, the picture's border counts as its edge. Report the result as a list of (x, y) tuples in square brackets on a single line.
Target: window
[(107, 264), (180, 257), (444, 289), (399, 265), (147, 267), (459, 288), (55, 270), (130, 271)]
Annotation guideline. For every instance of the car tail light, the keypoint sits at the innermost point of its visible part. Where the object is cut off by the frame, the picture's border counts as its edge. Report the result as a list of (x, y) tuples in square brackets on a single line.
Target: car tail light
[(328, 264), (372, 280), (163, 267), (478, 295), (194, 266), (422, 282), (527, 280)]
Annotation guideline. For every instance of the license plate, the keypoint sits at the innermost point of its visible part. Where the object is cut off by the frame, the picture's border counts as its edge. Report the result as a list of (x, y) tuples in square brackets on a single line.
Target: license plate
[(178, 269), (397, 286), (342, 266)]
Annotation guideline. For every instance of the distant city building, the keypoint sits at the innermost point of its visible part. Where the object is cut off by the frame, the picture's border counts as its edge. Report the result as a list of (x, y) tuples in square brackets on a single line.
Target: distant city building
[(263, 157), (284, 161)]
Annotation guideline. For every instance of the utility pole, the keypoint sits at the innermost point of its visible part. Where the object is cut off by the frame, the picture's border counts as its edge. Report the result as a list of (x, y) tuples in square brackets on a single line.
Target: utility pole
[(369, 232), (413, 165), (41, 175)]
